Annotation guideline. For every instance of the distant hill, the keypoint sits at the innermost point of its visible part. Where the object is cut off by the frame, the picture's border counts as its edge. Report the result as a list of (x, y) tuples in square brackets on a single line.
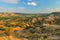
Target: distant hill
[(18, 14), (36, 14), (55, 13)]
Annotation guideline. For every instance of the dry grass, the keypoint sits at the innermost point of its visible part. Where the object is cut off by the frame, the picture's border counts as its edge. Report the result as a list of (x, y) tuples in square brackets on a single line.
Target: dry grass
[(8, 38)]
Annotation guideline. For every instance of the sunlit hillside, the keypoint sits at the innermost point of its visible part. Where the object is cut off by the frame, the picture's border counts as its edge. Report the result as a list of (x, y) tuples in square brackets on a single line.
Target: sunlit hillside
[(15, 26)]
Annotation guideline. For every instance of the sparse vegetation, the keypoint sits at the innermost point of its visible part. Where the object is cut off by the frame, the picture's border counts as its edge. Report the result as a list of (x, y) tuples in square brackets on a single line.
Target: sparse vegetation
[(30, 27)]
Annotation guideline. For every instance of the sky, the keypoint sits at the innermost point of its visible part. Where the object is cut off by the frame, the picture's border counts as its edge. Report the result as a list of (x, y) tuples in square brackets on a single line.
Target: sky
[(30, 6)]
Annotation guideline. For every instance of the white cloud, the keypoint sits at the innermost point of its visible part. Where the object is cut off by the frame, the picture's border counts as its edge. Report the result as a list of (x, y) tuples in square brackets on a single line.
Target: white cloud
[(49, 10), (9, 1), (18, 9), (24, 10), (32, 3)]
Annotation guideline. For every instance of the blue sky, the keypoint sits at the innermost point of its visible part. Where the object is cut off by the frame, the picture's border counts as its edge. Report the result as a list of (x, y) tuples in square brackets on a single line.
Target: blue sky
[(30, 6)]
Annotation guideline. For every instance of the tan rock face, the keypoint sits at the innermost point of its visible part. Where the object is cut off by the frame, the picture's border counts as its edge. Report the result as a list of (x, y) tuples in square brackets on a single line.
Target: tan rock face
[(34, 20)]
